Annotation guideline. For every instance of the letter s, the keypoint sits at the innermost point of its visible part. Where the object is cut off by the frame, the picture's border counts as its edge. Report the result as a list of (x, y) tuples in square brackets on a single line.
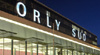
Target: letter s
[(73, 33)]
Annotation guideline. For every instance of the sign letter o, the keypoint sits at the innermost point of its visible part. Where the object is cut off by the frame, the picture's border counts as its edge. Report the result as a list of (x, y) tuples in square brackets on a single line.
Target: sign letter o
[(18, 9), (84, 37)]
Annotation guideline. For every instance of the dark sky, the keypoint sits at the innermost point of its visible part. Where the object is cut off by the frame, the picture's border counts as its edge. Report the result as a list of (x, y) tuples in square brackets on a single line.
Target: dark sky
[(86, 13)]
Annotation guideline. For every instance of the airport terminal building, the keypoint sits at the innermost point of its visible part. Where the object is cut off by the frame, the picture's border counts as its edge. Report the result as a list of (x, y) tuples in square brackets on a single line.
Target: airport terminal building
[(28, 27)]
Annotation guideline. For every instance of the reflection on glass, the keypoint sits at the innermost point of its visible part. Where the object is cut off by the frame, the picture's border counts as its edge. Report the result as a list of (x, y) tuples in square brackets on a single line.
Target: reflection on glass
[(31, 48), (82, 53), (34, 47), (18, 47), (59, 51), (79, 53), (69, 52), (42, 49), (74, 52), (89, 54), (64, 51), (50, 50), (5, 46), (1, 46)]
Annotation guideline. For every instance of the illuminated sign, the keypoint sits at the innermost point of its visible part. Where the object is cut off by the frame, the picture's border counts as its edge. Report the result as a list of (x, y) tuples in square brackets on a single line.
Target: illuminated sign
[(36, 15), (80, 33)]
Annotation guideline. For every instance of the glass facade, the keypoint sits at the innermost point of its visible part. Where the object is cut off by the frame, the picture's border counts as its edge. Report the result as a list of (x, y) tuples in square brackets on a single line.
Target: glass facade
[(9, 46)]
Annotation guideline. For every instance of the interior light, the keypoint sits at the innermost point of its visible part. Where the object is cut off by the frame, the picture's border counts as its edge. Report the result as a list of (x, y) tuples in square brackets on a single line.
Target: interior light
[(33, 44), (16, 40), (7, 48), (1, 45)]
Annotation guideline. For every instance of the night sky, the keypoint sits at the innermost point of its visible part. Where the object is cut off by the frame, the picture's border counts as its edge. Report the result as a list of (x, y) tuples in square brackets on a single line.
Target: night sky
[(85, 13)]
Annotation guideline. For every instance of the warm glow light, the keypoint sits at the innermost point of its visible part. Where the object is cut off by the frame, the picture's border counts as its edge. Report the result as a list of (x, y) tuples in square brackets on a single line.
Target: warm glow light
[(16, 46), (8, 48), (16, 40), (33, 44), (1, 45), (36, 29)]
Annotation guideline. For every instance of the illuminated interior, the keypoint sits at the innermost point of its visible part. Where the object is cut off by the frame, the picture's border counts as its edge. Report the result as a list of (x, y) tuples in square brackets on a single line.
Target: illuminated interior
[(34, 48)]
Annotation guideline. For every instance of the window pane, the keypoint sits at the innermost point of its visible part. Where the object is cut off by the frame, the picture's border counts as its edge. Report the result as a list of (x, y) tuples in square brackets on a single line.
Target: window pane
[(7, 46), (34, 48), (1, 46), (69, 52), (42, 49), (19, 47), (50, 50), (74, 52)]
